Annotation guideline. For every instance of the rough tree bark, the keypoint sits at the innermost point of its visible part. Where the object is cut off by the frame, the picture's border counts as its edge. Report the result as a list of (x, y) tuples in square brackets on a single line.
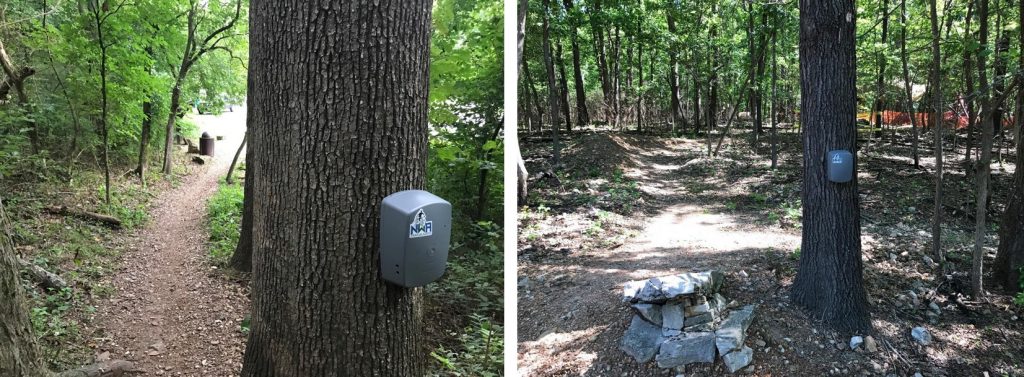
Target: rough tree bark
[(19, 353), (1010, 255), (829, 283), (339, 124)]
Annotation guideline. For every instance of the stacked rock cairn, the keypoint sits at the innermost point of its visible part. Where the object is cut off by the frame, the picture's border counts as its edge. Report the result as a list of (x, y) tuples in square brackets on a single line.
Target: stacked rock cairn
[(683, 319)]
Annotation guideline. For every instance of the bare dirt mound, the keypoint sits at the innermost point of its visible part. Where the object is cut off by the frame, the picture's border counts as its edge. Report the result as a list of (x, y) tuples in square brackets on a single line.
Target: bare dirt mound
[(173, 313)]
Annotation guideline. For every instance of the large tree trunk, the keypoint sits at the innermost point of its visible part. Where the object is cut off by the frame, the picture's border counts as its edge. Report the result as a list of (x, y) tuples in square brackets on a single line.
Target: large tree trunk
[(829, 283), (19, 353), (1010, 256), (549, 64), (582, 114), (338, 125)]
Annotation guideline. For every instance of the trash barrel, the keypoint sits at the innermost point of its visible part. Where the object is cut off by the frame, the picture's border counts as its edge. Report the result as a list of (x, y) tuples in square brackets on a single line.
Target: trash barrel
[(206, 145)]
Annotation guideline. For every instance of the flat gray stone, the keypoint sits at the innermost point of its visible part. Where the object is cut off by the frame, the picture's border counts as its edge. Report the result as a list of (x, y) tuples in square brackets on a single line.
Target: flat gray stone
[(672, 316), (718, 303), (687, 348), (631, 289), (696, 310), (703, 327), (738, 359), (733, 330), (660, 289), (641, 340), (651, 292), (699, 319), (650, 312), (921, 335)]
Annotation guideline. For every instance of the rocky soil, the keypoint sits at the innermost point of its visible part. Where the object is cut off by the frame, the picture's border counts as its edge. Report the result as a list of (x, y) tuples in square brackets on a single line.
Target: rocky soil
[(627, 207)]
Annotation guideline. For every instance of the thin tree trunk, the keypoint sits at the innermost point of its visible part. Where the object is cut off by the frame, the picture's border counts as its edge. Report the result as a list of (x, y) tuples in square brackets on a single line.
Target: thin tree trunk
[(148, 113), (906, 81), (983, 170), (673, 72), (234, 160), (549, 64), (319, 304), (563, 87), (829, 282), (775, 94), (241, 259), (172, 116), (936, 90), (877, 108), (969, 84), (582, 114), (533, 92)]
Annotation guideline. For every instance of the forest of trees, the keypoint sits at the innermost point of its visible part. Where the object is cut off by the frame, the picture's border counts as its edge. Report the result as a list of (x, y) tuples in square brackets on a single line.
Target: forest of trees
[(704, 69), (97, 98)]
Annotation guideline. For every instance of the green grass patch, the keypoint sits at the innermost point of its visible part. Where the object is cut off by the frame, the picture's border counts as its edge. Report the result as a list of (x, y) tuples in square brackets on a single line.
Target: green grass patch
[(224, 218)]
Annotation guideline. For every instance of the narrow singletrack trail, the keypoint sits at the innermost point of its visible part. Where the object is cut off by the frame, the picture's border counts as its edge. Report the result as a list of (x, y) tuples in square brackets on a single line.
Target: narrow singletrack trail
[(172, 313)]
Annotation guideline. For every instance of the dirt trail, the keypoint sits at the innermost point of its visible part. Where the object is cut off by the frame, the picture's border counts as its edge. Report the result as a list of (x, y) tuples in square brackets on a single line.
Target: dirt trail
[(172, 313)]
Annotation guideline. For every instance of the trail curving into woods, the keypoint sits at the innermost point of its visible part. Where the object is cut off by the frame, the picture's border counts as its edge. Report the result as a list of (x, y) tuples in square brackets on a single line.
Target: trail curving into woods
[(172, 313)]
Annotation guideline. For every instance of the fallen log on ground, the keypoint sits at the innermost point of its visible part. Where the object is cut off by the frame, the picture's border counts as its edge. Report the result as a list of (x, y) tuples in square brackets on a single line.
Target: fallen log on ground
[(109, 221), (111, 368), (45, 278)]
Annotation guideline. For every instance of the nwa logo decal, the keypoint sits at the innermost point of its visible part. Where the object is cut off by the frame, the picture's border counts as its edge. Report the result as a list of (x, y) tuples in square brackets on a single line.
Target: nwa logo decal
[(420, 227)]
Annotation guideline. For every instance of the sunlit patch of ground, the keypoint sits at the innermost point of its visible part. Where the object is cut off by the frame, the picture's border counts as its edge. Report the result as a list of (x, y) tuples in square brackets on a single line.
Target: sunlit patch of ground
[(682, 211)]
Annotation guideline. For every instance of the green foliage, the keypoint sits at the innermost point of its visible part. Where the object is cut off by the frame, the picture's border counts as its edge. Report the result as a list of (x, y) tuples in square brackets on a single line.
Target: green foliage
[(224, 218), (480, 351), (125, 204)]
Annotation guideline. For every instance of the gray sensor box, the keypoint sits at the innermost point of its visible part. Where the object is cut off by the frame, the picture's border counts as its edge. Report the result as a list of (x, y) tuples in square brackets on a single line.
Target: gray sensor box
[(840, 166), (415, 232)]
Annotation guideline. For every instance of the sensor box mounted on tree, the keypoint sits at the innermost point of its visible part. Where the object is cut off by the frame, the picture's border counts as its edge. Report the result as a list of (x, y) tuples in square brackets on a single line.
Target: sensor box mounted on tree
[(415, 231), (840, 166)]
